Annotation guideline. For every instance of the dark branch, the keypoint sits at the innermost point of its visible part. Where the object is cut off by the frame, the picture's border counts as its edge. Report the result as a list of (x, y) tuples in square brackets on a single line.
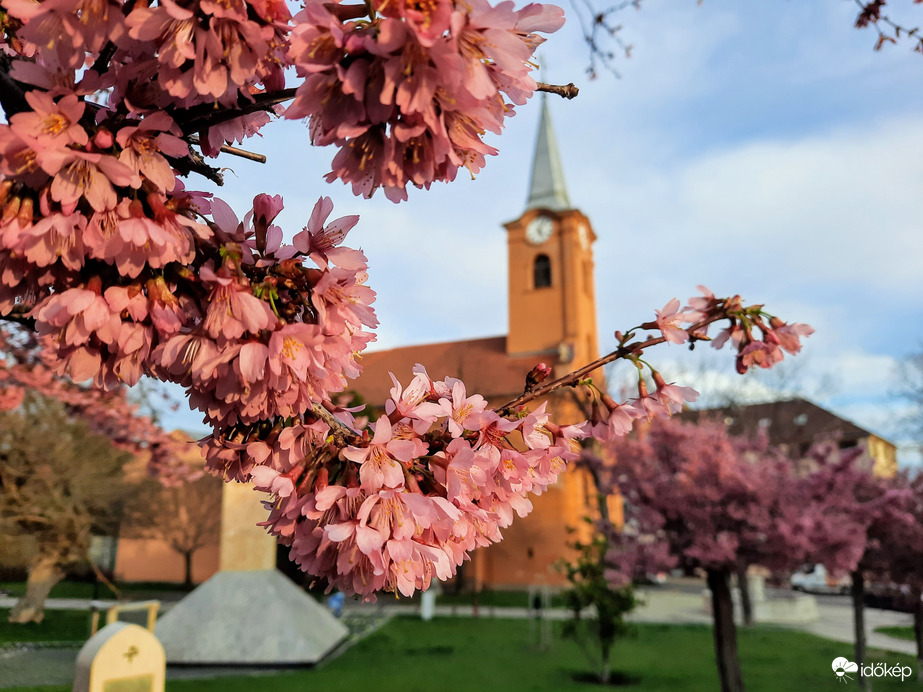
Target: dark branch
[(567, 91), (12, 93), (207, 115), (194, 163)]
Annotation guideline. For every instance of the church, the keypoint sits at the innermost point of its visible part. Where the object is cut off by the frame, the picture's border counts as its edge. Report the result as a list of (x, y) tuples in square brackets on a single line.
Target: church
[(552, 320)]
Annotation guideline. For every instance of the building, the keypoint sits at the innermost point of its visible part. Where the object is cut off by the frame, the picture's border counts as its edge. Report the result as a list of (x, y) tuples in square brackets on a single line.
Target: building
[(797, 424), (552, 319)]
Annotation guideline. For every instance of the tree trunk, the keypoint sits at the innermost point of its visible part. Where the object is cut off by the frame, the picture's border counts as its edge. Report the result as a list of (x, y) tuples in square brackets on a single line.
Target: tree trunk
[(746, 605), (605, 669), (187, 569), (918, 632), (44, 572), (719, 583), (858, 608)]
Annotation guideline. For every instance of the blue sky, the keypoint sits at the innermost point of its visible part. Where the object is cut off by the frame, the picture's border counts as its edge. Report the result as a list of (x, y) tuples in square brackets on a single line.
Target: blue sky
[(759, 148)]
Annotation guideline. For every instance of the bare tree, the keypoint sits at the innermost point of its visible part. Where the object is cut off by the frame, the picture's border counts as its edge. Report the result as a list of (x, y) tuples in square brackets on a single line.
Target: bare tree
[(187, 517), (59, 484)]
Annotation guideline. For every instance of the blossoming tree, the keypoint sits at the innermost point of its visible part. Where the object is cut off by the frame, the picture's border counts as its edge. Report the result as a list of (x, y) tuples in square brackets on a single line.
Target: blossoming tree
[(693, 493), (124, 271)]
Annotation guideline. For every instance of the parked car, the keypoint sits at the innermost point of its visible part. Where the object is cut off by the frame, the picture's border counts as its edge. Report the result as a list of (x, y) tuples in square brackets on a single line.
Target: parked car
[(815, 579)]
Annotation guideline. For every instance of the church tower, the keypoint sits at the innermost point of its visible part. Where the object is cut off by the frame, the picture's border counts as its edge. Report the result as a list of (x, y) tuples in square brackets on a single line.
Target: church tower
[(552, 302)]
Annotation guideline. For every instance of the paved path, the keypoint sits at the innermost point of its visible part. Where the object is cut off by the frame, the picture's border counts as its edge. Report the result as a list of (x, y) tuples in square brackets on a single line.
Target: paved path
[(43, 666)]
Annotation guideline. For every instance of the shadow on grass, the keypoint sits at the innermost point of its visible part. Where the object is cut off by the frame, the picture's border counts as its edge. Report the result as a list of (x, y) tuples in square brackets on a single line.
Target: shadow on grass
[(616, 679)]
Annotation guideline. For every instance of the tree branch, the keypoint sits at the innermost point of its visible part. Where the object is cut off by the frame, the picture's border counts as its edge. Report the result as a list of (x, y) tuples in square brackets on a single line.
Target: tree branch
[(574, 377), (567, 91), (343, 435), (12, 93), (208, 115)]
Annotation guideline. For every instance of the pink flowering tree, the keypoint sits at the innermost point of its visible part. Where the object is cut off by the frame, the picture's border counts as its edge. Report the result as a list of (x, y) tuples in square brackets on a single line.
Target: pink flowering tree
[(123, 270), (863, 520), (901, 546), (693, 494)]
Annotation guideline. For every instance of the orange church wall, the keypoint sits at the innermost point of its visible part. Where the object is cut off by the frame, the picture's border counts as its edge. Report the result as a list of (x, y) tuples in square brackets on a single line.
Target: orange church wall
[(148, 559), (531, 547)]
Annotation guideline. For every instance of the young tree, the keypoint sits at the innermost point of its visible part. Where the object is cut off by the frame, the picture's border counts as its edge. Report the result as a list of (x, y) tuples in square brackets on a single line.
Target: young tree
[(59, 484), (123, 272), (591, 585)]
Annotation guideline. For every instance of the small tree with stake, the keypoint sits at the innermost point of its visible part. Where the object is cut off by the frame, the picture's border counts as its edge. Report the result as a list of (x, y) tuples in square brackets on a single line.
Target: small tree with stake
[(591, 585)]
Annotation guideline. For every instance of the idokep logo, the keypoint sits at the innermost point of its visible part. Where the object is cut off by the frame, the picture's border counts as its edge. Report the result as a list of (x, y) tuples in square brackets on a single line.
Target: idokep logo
[(843, 666)]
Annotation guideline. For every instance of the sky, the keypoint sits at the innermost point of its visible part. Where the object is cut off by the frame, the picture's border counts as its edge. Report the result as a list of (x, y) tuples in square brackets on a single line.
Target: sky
[(757, 148)]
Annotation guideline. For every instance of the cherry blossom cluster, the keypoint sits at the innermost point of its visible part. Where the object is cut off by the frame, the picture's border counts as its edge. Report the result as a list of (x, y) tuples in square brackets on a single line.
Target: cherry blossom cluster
[(408, 92), (436, 476), (611, 419)]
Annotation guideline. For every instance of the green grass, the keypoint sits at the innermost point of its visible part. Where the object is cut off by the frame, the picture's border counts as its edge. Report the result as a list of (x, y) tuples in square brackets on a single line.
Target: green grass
[(465, 655), (498, 599), (84, 589), (897, 632), (57, 626)]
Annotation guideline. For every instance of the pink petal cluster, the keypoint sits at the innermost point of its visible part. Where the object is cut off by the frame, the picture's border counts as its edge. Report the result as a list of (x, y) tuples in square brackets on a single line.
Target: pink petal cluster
[(208, 48), (409, 499), (777, 336), (408, 96)]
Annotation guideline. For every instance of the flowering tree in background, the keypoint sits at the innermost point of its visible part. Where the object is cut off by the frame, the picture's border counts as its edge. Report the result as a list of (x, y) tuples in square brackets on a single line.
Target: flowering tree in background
[(59, 484), (902, 546), (123, 272), (712, 503), (863, 516)]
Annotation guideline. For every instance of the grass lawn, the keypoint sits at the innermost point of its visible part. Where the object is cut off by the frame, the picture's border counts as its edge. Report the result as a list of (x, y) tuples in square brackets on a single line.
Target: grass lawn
[(57, 626), (465, 655), (898, 632), (84, 589), (498, 599)]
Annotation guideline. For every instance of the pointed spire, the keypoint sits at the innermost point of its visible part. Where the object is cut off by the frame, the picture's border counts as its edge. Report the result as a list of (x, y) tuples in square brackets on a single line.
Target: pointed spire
[(547, 188)]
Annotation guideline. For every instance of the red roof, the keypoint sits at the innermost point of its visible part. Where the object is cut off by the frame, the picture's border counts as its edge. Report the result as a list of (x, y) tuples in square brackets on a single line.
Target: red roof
[(483, 364)]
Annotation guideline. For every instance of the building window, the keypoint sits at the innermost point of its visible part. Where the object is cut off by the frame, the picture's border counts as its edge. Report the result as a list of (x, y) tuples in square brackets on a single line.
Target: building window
[(541, 272)]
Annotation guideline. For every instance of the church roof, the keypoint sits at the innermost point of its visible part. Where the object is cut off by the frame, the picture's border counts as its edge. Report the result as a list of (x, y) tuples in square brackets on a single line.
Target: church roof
[(547, 189), (483, 364)]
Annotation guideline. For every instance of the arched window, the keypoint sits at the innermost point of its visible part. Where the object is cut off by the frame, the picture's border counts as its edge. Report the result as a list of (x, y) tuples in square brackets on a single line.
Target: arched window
[(541, 272)]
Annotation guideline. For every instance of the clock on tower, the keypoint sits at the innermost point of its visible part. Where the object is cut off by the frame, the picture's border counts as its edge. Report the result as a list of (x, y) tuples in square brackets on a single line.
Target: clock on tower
[(552, 306)]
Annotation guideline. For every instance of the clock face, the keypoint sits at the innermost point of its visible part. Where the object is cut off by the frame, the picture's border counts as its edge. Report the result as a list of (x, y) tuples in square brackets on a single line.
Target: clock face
[(539, 230)]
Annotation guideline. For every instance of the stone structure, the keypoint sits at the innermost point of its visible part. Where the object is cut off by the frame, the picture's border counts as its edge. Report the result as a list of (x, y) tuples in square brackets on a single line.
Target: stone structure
[(121, 658), (248, 613)]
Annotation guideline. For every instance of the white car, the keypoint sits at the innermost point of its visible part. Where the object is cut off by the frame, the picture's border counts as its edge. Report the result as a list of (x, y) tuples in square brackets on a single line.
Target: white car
[(815, 579)]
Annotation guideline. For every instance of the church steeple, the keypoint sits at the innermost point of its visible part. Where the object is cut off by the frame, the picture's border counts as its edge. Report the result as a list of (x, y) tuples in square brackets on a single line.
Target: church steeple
[(547, 189), (552, 306)]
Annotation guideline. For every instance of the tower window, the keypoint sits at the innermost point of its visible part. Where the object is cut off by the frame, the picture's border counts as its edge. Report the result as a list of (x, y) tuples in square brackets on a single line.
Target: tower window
[(541, 272)]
